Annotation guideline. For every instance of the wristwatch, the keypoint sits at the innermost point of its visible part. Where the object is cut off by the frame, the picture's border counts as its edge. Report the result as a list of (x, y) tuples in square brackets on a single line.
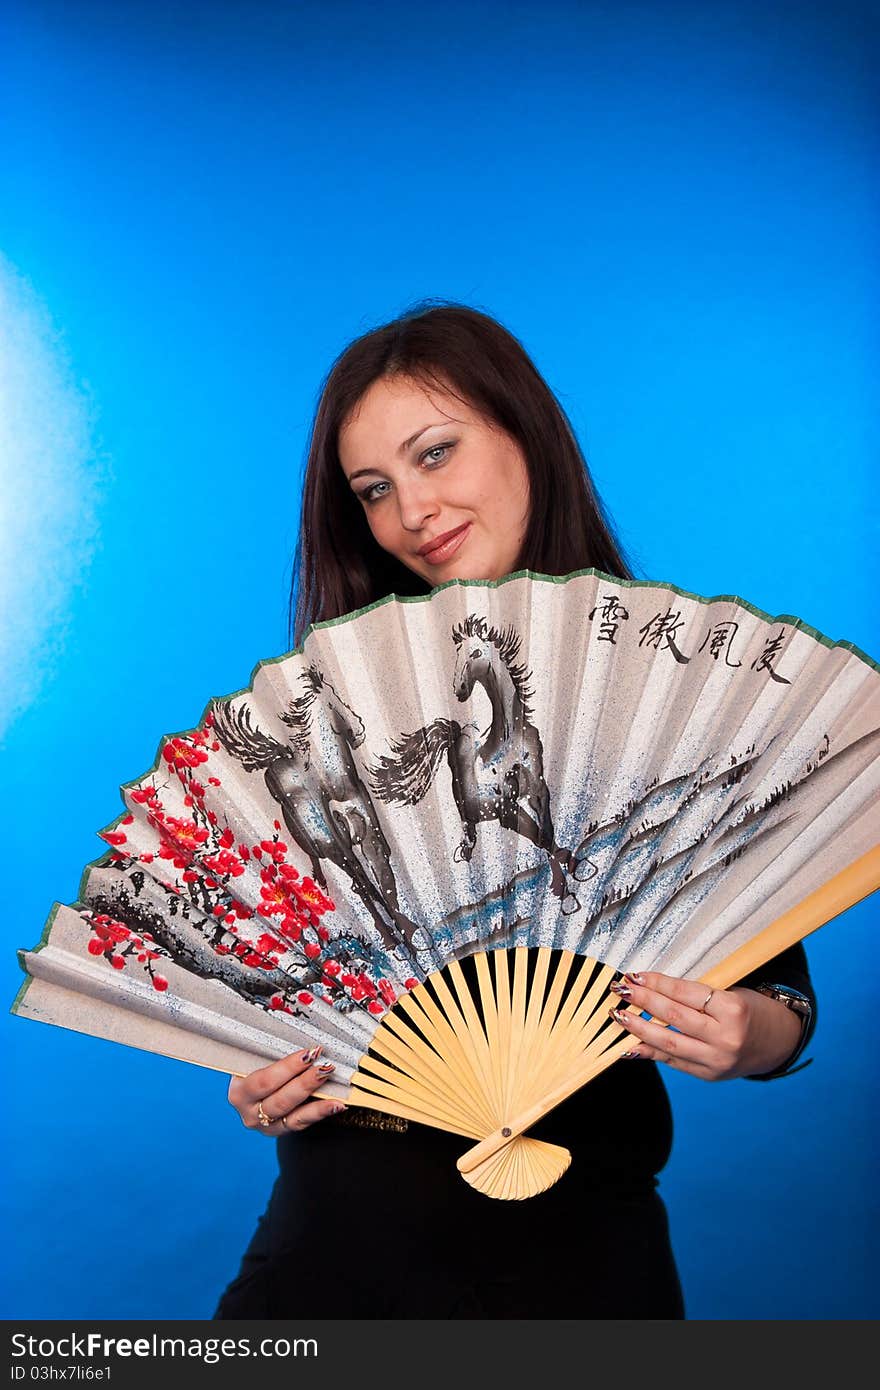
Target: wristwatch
[(799, 1004)]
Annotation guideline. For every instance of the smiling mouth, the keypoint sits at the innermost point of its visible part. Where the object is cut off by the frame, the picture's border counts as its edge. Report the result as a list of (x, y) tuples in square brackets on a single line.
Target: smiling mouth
[(447, 548)]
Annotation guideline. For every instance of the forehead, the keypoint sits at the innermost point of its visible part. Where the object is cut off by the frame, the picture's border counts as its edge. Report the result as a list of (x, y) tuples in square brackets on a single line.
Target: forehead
[(390, 410)]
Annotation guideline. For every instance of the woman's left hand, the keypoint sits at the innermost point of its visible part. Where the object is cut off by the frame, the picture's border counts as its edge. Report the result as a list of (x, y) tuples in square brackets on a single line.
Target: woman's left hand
[(719, 1034)]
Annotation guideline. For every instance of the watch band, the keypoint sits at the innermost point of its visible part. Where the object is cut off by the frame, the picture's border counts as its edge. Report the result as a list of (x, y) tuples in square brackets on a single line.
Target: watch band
[(799, 1004)]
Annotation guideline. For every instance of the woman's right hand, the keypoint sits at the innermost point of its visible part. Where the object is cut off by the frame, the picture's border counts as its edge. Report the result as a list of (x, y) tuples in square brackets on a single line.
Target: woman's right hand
[(282, 1093)]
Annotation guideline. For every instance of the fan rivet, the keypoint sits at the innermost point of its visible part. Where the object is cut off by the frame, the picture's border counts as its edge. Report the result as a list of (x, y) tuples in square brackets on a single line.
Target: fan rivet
[(506, 1132)]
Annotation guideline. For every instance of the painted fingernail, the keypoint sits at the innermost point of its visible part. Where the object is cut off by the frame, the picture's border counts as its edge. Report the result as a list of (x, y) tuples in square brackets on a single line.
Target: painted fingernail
[(337, 1109), (623, 990), (619, 1016), (630, 1054), (636, 978), (326, 1066), (311, 1054)]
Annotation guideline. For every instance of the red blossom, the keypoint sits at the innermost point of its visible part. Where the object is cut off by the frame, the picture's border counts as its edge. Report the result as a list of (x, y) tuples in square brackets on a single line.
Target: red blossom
[(227, 839), (410, 983), (127, 820), (160, 983), (305, 998), (118, 962), (375, 1007), (312, 950), (96, 946), (114, 837), (267, 943)]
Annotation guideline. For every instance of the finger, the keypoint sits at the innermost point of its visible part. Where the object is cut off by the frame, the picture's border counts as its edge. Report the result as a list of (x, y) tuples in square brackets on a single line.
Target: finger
[(297, 1090), (677, 1003), (310, 1114), (297, 1117), (261, 1083), (680, 1046), (654, 1054)]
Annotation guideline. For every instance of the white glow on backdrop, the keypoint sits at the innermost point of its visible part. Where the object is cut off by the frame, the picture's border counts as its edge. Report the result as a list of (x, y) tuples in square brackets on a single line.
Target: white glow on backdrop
[(50, 477)]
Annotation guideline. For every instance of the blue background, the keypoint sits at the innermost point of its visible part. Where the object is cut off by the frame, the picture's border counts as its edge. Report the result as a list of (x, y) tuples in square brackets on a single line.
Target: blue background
[(673, 206)]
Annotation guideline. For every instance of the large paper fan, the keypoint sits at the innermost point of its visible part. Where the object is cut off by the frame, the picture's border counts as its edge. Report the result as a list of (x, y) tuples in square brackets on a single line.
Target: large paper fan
[(431, 837)]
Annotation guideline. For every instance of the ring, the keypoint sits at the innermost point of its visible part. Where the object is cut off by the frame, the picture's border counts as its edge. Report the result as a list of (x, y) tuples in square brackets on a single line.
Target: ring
[(283, 1119), (264, 1119), (705, 1003)]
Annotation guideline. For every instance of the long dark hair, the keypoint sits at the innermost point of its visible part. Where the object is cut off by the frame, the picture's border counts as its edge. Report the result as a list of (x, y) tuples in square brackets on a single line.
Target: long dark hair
[(338, 565)]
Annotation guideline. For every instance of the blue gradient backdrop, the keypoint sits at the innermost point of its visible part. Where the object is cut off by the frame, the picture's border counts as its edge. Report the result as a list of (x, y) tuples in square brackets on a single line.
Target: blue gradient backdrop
[(673, 206)]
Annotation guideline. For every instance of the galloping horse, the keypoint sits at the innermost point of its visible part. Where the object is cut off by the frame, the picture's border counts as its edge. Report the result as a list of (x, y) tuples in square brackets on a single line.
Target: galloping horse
[(497, 774), (326, 807)]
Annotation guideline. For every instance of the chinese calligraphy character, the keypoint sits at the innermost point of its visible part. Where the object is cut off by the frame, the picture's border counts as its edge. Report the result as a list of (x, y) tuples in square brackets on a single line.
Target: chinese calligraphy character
[(721, 636), (764, 662), (661, 627), (612, 614)]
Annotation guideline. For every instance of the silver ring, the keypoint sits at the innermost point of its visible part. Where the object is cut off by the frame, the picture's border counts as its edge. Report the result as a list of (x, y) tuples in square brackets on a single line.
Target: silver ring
[(705, 1003)]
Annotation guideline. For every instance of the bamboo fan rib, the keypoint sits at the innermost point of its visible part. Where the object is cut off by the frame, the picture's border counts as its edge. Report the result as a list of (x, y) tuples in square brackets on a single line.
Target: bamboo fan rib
[(429, 840), (482, 1059)]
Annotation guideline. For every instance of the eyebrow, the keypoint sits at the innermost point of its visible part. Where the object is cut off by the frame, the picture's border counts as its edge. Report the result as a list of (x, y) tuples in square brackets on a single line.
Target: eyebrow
[(407, 444)]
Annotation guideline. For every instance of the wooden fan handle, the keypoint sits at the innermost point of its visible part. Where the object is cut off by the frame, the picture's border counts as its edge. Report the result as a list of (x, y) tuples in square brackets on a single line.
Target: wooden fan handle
[(842, 891)]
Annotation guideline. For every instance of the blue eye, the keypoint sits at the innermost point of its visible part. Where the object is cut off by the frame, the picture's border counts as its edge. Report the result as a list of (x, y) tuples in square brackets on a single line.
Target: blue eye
[(368, 493), (436, 448)]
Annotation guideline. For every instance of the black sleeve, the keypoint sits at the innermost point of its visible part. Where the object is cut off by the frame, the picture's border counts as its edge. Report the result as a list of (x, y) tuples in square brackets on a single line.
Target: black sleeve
[(788, 968)]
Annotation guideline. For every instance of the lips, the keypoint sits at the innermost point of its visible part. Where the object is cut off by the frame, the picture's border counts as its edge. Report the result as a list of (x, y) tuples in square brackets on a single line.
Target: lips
[(445, 545)]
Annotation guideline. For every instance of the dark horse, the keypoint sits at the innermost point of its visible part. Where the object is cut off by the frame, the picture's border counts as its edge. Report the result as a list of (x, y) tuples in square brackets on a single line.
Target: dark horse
[(326, 807), (497, 774)]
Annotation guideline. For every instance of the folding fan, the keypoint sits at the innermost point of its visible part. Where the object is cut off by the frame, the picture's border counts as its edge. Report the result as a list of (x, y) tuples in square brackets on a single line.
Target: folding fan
[(562, 778)]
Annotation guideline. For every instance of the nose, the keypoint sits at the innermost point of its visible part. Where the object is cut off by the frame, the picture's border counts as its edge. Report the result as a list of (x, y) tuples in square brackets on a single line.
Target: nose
[(416, 503)]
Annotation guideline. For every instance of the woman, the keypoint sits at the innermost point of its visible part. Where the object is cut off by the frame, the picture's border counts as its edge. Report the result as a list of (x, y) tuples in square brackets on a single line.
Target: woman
[(438, 452)]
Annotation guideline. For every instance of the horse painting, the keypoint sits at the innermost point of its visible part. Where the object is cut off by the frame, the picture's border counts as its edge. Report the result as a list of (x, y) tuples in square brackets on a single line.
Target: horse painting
[(497, 774), (326, 806)]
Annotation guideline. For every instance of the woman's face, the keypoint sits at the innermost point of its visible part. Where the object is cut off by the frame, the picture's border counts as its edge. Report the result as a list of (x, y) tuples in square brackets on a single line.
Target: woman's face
[(425, 465)]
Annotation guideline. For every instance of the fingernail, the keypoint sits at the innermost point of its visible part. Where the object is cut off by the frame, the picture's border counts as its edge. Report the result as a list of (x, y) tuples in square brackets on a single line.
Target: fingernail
[(636, 978), (326, 1066), (337, 1109), (630, 1054), (623, 990), (311, 1054), (619, 1016)]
